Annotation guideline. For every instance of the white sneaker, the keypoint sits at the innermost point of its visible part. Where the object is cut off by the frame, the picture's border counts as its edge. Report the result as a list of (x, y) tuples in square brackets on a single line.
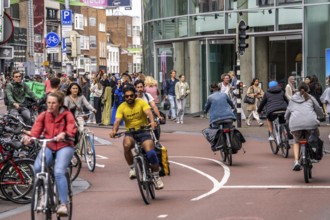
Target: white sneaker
[(132, 174), (158, 183), (247, 121), (271, 138), (62, 210), (178, 122)]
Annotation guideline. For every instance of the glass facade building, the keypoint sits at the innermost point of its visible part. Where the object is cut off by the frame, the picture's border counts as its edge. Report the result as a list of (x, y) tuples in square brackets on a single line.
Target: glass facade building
[(198, 38)]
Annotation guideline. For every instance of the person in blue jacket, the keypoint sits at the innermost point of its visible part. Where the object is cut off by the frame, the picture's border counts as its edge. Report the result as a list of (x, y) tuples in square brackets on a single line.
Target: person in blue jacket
[(117, 100)]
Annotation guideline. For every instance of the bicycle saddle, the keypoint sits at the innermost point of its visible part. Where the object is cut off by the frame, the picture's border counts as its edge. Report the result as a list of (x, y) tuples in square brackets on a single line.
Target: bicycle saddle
[(15, 144)]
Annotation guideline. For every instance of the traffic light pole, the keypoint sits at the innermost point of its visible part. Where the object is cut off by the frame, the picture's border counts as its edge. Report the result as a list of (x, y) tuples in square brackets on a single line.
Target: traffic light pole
[(239, 91)]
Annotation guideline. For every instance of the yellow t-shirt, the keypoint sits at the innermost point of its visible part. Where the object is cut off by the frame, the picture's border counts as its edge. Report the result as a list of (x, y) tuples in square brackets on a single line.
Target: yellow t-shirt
[(134, 116)]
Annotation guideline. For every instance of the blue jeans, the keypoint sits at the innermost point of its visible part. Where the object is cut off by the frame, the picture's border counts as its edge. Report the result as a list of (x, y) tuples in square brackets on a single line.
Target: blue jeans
[(26, 115), (172, 113), (63, 158)]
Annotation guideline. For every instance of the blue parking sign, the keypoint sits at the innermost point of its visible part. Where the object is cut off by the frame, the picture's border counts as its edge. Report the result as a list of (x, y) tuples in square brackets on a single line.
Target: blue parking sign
[(52, 39), (66, 17)]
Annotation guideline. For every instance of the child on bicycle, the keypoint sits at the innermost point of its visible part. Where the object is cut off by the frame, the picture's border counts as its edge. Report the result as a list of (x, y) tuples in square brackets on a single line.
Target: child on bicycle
[(274, 100), (303, 113)]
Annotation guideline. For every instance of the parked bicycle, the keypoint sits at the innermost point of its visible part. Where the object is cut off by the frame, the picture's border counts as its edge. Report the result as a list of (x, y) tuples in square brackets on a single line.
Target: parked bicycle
[(16, 175), (85, 146), (45, 199), (143, 170), (280, 134)]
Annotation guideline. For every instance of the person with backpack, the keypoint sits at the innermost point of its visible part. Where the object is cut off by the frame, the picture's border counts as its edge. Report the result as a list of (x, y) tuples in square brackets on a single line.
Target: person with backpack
[(16, 93)]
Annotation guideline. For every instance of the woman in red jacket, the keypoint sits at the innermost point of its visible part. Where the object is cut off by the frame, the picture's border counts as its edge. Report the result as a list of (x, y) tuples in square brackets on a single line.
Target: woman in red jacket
[(56, 122)]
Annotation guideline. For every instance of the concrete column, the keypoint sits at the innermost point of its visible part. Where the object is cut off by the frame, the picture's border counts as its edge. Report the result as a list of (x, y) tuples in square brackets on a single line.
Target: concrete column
[(194, 76), (178, 49), (261, 62)]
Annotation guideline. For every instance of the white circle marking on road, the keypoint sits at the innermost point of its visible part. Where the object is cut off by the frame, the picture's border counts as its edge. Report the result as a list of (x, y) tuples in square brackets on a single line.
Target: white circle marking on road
[(216, 184)]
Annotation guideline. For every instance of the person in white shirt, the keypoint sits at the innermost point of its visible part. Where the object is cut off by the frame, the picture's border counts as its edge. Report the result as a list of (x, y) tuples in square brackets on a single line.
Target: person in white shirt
[(182, 90)]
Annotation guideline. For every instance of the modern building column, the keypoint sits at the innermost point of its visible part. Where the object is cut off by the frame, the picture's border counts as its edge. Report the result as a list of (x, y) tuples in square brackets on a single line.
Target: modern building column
[(261, 60), (179, 57), (194, 76)]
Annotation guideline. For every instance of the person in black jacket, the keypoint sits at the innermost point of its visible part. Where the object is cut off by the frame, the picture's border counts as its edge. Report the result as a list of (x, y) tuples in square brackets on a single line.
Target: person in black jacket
[(274, 100)]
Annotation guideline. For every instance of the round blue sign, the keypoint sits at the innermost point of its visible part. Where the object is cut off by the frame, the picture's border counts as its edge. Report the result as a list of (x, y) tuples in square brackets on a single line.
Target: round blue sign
[(52, 39)]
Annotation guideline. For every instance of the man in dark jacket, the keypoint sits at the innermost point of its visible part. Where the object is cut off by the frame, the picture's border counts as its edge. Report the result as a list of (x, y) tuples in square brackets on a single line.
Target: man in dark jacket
[(170, 94), (274, 100), (16, 92)]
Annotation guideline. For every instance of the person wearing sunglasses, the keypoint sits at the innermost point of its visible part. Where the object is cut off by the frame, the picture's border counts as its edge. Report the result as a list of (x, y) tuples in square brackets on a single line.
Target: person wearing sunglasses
[(135, 113), (16, 93)]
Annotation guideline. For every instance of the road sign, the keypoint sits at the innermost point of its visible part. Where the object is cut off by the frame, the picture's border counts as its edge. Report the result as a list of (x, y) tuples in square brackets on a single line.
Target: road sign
[(6, 28), (66, 17), (53, 50), (6, 52), (63, 45), (52, 39)]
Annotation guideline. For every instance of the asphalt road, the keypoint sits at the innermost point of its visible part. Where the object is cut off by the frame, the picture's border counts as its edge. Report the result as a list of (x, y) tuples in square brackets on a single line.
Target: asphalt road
[(258, 186)]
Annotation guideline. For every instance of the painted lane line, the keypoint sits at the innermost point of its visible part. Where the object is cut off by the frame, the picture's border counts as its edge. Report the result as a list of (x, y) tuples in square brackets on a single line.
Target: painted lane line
[(100, 165), (100, 157), (276, 187), (102, 141), (216, 184), (162, 216)]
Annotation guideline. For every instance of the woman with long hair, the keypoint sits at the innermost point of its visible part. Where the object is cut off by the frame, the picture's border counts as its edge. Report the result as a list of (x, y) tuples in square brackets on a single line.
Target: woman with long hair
[(254, 91), (315, 89), (181, 92), (97, 90), (75, 102), (302, 113), (151, 87), (290, 88)]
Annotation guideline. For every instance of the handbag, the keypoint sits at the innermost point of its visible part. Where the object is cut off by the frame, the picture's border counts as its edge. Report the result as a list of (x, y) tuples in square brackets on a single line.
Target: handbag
[(249, 100), (166, 105)]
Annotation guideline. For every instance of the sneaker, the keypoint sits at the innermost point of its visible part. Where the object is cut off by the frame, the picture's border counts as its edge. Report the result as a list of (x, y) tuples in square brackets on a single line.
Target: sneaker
[(173, 119), (296, 166), (247, 122), (260, 123), (314, 161), (132, 174), (181, 122), (62, 210), (158, 183), (178, 122), (271, 138)]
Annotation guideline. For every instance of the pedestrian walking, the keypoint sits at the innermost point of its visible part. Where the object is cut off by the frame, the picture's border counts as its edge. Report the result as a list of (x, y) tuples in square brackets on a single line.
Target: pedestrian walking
[(181, 92), (290, 88), (151, 87), (254, 91), (96, 91), (325, 99), (170, 94), (315, 89), (118, 99)]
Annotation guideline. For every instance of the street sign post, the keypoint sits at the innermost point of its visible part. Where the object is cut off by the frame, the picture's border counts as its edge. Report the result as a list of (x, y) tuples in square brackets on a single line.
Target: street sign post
[(6, 52), (52, 39)]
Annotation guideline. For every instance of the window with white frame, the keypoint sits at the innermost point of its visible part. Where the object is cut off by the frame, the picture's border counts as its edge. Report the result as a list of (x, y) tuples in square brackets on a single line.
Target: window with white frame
[(102, 27), (78, 22), (92, 21), (37, 38), (85, 22), (84, 42), (92, 42), (103, 48)]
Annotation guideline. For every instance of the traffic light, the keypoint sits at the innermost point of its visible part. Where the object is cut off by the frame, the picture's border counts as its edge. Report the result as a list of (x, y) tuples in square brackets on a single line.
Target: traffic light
[(241, 36)]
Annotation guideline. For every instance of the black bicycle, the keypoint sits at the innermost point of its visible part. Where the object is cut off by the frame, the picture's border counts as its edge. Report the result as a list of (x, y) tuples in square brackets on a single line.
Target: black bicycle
[(45, 198), (143, 170)]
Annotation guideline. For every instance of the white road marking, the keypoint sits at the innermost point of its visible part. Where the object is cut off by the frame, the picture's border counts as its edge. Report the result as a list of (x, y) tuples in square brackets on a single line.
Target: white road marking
[(100, 165), (276, 187), (100, 157), (162, 216), (216, 184), (102, 141)]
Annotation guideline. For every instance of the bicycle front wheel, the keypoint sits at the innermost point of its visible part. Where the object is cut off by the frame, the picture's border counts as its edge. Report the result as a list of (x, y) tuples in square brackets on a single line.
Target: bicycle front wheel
[(284, 141), (39, 206), (89, 151), (75, 166), (139, 164), (17, 181)]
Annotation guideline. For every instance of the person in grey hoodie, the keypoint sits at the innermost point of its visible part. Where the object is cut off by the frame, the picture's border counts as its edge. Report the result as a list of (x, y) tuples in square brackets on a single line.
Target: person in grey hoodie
[(303, 113)]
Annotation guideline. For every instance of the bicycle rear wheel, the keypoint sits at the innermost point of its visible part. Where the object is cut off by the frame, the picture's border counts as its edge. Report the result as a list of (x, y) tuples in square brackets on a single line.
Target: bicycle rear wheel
[(307, 170), (284, 141), (143, 185), (89, 152), (273, 145), (39, 206), (17, 181), (229, 150), (75, 166)]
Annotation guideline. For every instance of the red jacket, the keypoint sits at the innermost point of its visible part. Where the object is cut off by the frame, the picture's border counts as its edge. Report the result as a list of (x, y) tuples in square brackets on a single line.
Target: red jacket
[(51, 126)]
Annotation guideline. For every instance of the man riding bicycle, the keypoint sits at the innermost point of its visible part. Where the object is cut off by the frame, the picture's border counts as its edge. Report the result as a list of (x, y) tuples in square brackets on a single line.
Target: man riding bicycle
[(135, 113), (274, 100), (16, 93), (303, 113), (219, 105)]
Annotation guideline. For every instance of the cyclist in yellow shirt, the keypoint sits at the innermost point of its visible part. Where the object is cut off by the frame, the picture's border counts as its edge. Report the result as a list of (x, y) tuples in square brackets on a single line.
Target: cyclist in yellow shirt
[(135, 113)]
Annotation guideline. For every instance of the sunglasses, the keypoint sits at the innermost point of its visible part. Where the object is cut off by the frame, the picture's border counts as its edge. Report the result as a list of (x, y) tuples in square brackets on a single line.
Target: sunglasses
[(129, 96)]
